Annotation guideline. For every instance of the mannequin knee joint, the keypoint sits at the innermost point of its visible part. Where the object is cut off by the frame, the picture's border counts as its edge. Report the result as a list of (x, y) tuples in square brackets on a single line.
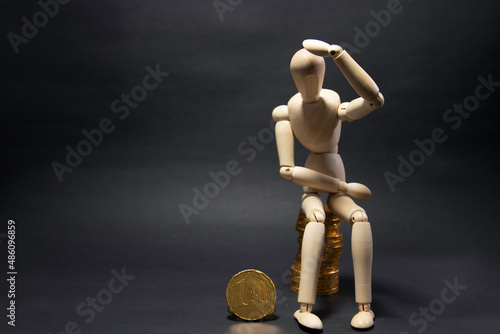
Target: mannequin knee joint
[(317, 216), (358, 216)]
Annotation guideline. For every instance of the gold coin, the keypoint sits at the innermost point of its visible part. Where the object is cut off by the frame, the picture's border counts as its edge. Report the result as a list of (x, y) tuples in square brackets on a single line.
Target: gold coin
[(324, 262), (329, 237), (328, 225), (327, 292), (320, 291), (302, 219), (328, 220), (330, 251), (327, 248), (327, 278), (251, 295), (330, 272), (328, 231), (331, 255), (327, 268), (329, 284), (324, 270), (326, 289), (321, 279), (332, 248), (324, 265)]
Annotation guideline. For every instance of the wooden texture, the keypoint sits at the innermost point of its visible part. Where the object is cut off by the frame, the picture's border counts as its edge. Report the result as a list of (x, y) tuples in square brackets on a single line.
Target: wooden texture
[(362, 250), (308, 74), (362, 83), (284, 139), (312, 252)]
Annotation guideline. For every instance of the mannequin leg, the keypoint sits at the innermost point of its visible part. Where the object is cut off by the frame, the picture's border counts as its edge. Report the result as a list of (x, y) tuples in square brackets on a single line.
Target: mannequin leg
[(362, 253), (312, 252)]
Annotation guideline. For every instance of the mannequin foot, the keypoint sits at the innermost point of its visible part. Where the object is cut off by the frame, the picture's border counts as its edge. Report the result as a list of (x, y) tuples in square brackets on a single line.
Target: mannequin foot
[(364, 318), (307, 319)]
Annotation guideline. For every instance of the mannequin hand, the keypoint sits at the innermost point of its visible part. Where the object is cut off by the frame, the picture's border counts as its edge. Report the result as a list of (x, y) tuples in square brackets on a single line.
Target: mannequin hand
[(322, 49), (358, 190), (286, 172)]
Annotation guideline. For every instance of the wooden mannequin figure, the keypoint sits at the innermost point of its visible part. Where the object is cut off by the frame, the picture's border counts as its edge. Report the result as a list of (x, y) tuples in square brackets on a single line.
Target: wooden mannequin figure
[(314, 116)]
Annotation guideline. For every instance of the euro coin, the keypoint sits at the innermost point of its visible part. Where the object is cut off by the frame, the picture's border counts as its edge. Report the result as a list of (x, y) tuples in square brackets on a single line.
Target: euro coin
[(251, 295)]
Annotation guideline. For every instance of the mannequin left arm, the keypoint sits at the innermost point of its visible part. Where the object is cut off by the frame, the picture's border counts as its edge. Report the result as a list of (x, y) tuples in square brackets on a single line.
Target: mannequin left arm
[(370, 96)]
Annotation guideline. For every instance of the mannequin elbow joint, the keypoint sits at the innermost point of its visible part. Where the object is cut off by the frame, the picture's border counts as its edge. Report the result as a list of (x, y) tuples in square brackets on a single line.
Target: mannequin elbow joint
[(377, 101)]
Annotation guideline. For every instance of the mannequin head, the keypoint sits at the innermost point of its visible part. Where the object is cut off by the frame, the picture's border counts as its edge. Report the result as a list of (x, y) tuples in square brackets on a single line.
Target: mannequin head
[(308, 72)]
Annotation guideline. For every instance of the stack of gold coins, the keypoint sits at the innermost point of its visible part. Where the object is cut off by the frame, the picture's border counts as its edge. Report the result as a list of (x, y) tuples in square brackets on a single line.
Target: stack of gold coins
[(328, 281)]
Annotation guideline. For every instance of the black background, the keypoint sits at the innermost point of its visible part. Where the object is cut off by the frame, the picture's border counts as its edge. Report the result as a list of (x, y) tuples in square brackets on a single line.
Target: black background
[(120, 207)]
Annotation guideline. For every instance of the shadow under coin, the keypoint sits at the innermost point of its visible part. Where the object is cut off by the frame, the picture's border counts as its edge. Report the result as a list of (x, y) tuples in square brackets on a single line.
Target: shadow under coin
[(253, 328)]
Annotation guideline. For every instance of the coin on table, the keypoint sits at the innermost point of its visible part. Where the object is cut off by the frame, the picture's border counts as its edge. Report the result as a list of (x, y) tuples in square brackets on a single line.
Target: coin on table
[(251, 295)]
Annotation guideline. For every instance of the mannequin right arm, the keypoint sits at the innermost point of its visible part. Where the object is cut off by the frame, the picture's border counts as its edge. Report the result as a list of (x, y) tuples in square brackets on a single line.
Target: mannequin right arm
[(284, 140)]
